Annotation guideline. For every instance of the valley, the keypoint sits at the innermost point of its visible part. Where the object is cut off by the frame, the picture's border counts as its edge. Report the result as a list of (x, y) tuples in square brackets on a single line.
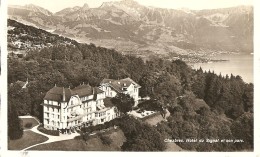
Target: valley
[(155, 47), (147, 32)]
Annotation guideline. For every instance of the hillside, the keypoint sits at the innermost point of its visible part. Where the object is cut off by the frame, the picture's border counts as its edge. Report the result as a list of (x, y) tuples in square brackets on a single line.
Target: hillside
[(225, 111), (144, 31), (22, 37)]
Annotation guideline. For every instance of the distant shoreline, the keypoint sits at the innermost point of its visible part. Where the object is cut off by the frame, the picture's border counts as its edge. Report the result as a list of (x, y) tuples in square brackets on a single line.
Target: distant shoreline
[(230, 64)]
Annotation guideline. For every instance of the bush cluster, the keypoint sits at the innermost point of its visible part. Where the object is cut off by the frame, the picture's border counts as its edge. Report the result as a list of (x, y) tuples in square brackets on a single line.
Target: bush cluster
[(28, 125), (48, 132)]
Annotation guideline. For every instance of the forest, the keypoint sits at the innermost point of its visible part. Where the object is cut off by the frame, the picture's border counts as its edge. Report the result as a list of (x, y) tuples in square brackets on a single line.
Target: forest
[(202, 104)]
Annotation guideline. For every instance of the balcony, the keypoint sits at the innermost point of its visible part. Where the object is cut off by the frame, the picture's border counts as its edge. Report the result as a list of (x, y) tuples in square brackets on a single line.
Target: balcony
[(74, 118)]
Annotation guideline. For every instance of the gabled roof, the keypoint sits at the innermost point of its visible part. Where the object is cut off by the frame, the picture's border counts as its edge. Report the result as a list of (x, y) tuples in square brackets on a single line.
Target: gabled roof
[(118, 85), (83, 90), (21, 83), (86, 90), (56, 94)]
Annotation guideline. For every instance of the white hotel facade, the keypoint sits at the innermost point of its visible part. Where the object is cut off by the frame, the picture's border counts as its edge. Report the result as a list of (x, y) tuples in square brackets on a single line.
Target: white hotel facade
[(66, 109)]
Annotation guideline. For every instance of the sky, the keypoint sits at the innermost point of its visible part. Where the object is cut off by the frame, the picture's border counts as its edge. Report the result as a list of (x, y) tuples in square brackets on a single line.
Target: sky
[(57, 5)]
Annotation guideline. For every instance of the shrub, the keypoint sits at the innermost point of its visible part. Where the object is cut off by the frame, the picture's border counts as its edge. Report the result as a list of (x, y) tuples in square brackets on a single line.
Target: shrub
[(106, 140), (48, 132), (85, 136), (78, 137), (28, 125)]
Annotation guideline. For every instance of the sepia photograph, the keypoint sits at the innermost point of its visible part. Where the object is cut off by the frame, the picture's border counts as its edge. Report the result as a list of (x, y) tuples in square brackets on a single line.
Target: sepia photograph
[(130, 75)]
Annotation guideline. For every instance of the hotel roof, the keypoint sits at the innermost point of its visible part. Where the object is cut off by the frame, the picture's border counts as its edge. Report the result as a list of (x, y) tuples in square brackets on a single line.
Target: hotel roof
[(118, 85), (56, 93)]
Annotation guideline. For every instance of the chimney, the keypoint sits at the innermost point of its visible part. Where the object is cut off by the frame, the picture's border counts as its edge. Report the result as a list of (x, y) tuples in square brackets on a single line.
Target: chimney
[(55, 85), (124, 84), (63, 95), (93, 91), (110, 82), (118, 82)]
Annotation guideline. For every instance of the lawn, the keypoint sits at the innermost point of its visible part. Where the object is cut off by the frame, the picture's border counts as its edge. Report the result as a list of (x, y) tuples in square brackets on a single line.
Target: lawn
[(29, 121), (93, 144), (29, 138)]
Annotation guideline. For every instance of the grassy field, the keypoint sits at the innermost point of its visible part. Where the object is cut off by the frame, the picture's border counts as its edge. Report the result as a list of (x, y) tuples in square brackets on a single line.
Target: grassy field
[(93, 144), (27, 121), (29, 138)]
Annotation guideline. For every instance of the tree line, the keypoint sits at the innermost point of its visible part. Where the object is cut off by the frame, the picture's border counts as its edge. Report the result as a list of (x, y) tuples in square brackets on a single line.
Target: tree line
[(165, 81)]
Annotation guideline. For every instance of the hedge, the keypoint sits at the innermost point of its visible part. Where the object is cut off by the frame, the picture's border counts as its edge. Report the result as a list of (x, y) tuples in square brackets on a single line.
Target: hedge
[(48, 132)]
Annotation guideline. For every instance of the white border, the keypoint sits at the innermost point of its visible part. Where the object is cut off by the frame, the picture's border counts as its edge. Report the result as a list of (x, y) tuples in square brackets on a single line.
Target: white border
[(3, 91)]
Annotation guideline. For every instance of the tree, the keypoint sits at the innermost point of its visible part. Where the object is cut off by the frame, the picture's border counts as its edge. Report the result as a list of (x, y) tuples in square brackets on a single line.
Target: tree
[(151, 105), (142, 138), (20, 98), (123, 102), (106, 140), (15, 130), (243, 128)]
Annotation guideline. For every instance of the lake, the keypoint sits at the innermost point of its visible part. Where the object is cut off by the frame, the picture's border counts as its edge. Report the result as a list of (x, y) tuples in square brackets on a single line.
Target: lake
[(238, 64)]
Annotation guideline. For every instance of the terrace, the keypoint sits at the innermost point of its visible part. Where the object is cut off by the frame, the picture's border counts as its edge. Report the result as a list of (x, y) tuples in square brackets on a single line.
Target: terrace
[(141, 114)]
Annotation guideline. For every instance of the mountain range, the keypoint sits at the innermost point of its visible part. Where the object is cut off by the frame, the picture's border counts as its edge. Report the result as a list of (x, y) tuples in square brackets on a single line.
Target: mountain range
[(144, 31)]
